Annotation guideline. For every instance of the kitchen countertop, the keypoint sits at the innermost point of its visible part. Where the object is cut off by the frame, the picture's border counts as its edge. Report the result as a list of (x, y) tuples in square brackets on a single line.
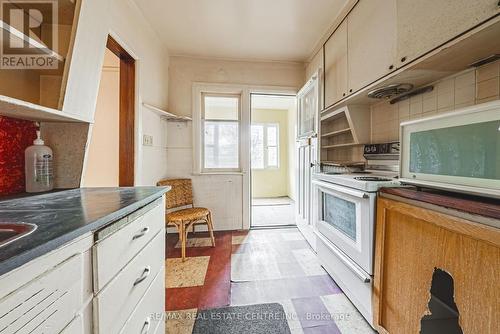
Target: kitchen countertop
[(474, 205), (66, 215)]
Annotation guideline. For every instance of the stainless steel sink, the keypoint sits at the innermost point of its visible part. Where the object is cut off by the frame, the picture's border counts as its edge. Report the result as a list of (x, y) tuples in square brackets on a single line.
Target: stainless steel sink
[(10, 232)]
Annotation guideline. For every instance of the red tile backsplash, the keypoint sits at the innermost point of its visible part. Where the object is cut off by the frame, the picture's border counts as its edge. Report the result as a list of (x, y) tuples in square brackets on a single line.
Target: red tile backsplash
[(15, 136)]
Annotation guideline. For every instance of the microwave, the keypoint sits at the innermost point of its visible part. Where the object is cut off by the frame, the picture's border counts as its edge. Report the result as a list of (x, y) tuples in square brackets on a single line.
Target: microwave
[(458, 151)]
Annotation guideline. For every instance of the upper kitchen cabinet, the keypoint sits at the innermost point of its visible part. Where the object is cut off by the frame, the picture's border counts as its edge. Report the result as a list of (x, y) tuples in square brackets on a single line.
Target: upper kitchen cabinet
[(371, 41), (335, 70), (51, 58), (426, 24), (36, 47)]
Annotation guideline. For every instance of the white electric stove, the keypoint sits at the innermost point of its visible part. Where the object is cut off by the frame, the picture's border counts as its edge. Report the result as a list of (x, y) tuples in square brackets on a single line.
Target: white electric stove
[(344, 213), (369, 180)]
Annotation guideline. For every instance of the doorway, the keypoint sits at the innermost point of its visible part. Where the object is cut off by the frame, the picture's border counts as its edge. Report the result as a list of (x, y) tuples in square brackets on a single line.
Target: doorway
[(113, 132), (272, 156)]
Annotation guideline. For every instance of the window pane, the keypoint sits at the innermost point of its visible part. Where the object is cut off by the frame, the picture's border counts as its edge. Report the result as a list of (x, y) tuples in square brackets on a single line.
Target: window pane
[(224, 153), (272, 135), (209, 135), (257, 146), (340, 214), (272, 156), (222, 107), (307, 113)]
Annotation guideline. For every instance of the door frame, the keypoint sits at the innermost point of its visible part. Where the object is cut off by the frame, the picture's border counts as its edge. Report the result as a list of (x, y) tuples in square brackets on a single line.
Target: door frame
[(245, 90), (127, 126), (250, 172)]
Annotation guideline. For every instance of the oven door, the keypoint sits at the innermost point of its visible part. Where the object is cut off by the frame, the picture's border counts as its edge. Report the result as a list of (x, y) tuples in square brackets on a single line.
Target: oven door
[(345, 217)]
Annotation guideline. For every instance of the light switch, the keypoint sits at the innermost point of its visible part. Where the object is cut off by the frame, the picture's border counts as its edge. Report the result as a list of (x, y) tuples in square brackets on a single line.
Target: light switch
[(147, 140)]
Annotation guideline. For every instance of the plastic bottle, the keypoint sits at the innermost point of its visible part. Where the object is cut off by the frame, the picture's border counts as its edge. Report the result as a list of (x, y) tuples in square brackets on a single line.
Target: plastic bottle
[(38, 167)]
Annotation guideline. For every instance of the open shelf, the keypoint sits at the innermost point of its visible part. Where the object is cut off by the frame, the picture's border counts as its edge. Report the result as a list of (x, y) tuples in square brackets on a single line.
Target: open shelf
[(168, 115), (15, 108), (20, 36), (335, 133), (342, 163), (341, 145)]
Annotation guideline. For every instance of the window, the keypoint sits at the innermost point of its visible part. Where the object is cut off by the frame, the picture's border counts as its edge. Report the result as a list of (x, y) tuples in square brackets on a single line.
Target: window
[(265, 146), (221, 132)]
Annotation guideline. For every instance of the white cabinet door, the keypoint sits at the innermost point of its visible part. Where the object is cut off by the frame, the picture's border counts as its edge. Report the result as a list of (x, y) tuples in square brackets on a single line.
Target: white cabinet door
[(371, 30), (426, 24), (335, 71), (46, 304), (307, 154)]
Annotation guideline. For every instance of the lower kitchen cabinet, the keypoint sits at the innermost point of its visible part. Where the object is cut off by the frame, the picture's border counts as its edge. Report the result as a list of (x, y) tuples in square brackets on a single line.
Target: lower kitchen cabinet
[(434, 271), (129, 265), (108, 282)]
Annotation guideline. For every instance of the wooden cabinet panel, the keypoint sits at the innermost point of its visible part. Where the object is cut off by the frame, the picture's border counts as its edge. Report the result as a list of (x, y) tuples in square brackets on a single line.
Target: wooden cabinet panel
[(371, 31), (425, 24), (336, 66), (411, 242)]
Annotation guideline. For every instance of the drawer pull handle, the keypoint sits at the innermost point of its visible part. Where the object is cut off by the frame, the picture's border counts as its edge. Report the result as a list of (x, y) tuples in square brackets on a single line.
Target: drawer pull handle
[(144, 275), (146, 326), (141, 234)]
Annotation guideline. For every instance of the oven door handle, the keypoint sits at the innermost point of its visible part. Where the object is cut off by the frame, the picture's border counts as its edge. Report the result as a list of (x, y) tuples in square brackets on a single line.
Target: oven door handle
[(355, 270), (343, 190)]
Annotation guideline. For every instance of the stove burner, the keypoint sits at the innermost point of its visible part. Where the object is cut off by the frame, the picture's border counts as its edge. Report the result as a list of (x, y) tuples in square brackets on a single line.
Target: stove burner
[(360, 172), (371, 178)]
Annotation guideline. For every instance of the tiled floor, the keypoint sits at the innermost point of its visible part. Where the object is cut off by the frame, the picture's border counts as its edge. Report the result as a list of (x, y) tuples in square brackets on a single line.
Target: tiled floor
[(273, 212), (260, 266)]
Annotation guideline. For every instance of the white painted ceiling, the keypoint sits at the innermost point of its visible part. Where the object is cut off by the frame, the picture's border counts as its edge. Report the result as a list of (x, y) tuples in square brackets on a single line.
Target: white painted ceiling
[(284, 30)]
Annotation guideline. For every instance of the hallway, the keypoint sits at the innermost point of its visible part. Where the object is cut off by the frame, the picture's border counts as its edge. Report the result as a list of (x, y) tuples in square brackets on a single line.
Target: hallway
[(277, 211), (261, 266)]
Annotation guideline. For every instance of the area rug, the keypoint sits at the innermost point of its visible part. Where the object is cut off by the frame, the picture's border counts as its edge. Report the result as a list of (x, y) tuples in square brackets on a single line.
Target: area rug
[(251, 319)]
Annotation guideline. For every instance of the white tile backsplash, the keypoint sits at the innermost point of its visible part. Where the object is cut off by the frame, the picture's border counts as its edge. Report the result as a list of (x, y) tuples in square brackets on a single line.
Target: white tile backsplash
[(457, 91)]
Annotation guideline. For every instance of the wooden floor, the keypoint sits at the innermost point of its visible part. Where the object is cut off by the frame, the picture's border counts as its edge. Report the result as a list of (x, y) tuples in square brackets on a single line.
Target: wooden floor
[(255, 267)]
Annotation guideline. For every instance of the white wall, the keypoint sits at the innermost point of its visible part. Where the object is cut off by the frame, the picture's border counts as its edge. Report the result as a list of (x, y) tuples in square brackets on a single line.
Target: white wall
[(104, 145), (127, 25), (130, 27), (221, 193), (273, 182)]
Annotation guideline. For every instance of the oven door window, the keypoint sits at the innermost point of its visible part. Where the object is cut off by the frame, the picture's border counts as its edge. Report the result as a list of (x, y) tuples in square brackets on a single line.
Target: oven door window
[(340, 214)]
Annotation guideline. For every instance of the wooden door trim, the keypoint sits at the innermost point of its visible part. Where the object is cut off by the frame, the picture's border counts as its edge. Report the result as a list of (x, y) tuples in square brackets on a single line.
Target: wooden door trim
[(127, 113)]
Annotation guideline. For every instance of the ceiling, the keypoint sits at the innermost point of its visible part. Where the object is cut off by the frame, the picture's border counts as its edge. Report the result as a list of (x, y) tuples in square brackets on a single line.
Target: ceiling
[(284, 30)]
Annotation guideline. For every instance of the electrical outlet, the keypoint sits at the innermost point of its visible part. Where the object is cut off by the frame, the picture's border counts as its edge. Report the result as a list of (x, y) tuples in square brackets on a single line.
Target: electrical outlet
[(147, 140)]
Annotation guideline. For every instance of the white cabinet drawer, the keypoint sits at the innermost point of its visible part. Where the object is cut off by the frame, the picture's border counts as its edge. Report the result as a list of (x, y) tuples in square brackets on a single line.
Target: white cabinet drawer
[(148, 317), (113, 252), (46, 304), (75, 327), (114, 304)]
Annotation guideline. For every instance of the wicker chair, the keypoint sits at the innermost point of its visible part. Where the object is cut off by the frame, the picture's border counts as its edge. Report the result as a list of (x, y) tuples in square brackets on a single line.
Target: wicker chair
[(181, 195)]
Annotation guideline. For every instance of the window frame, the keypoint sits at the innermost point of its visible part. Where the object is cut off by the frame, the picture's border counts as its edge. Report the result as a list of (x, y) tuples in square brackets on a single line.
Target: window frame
[(265, 126), (202, 132)]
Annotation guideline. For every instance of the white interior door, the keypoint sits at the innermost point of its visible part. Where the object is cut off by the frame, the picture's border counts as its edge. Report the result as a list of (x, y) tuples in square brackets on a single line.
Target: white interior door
[(307, 155)]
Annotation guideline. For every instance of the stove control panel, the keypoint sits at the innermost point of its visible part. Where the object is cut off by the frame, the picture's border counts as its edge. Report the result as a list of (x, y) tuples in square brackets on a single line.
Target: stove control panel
[(382, 151)]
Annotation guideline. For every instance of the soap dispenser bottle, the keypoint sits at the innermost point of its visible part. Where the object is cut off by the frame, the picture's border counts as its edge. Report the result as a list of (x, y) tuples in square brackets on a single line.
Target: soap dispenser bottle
[(38, 166)]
